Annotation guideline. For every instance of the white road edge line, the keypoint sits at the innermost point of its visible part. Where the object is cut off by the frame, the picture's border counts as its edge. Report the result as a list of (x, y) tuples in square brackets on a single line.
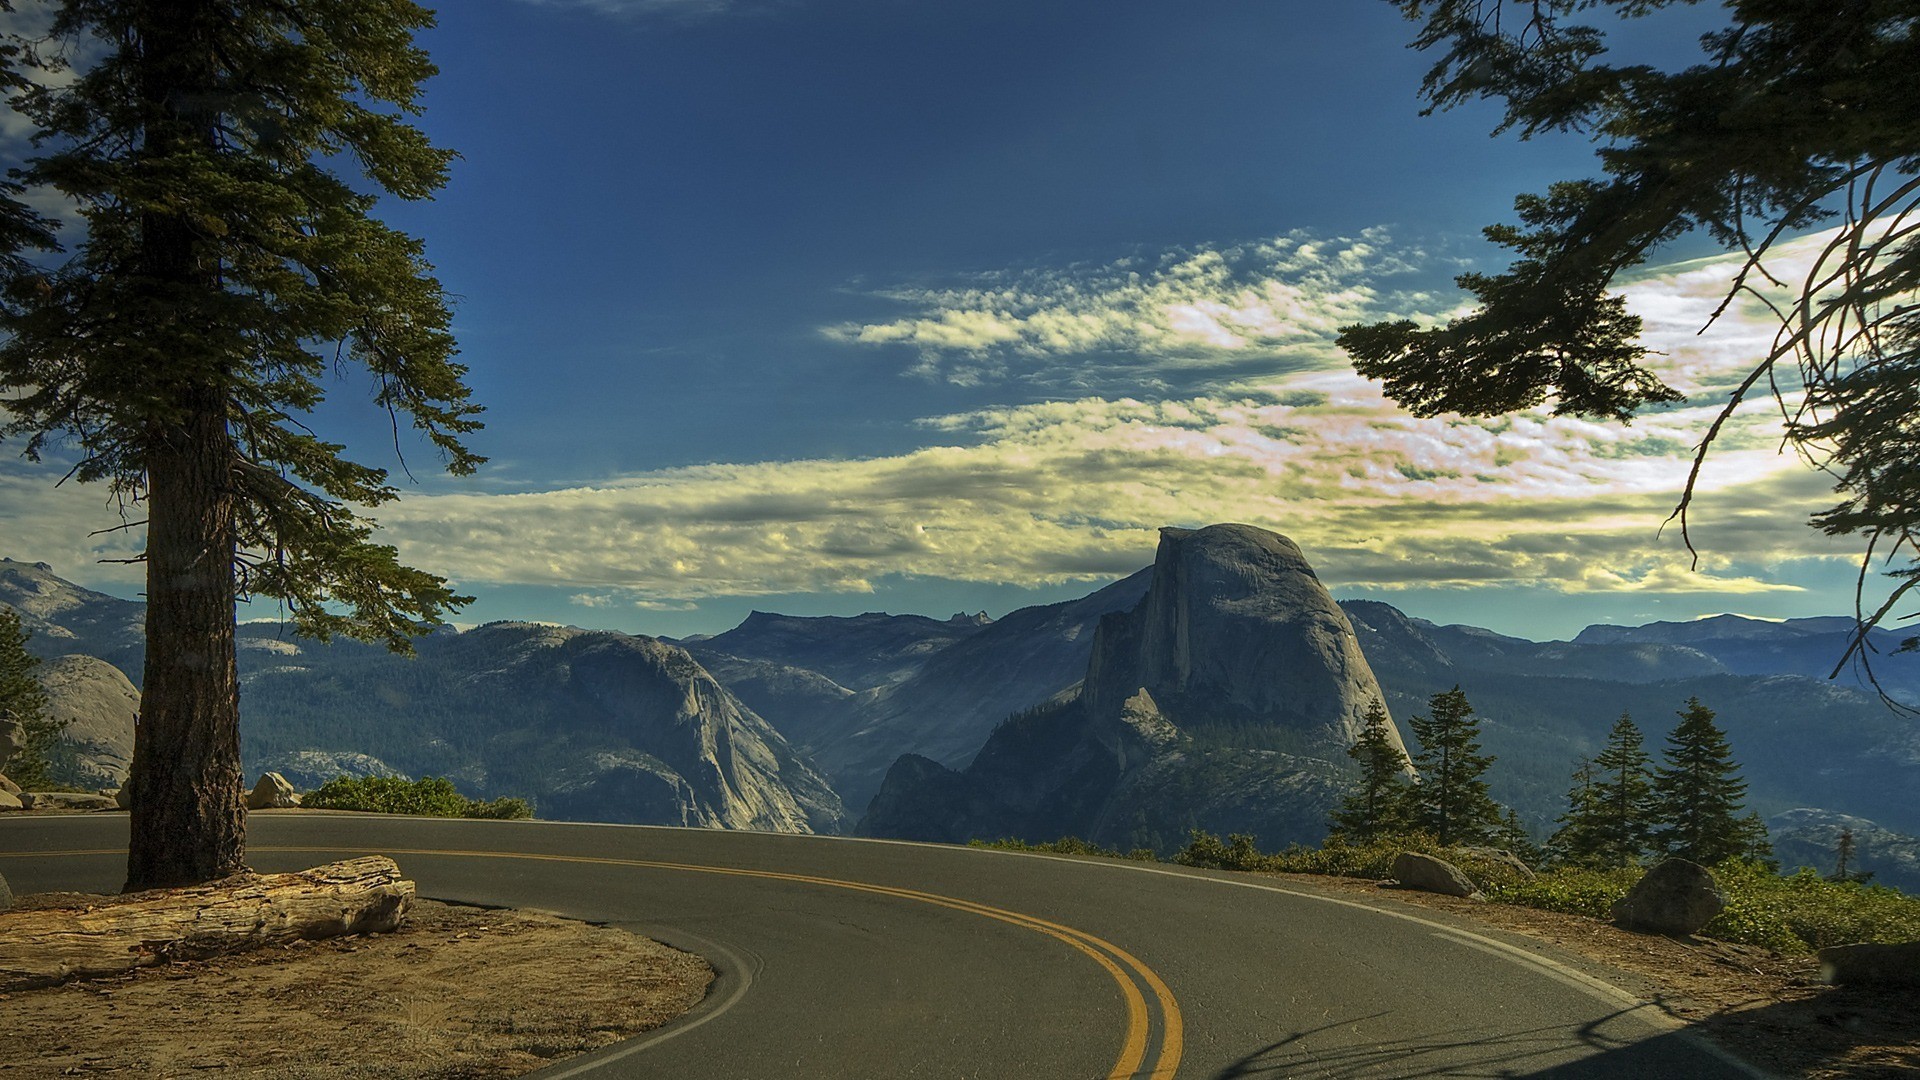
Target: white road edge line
[(674, 1031)]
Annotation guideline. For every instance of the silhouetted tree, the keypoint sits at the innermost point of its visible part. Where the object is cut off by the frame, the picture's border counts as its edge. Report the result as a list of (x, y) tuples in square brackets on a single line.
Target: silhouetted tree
[(1698, 795), (1451, 801), (1798, 114), (181, 348), (1379, 807)]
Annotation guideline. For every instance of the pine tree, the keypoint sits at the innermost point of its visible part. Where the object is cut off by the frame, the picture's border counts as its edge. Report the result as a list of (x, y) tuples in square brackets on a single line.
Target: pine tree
[(1452, 801), (22, 695), (1515, 838), (182, 346), (1698, 795), (1378, 808), (1574, 841)]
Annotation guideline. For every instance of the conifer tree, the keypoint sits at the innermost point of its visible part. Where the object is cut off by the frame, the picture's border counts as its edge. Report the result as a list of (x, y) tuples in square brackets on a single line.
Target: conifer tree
[(1451, 801), (1515, 838), (1379, 807), (1698, 795), (1608, 822), (224, 275), (22, 695)]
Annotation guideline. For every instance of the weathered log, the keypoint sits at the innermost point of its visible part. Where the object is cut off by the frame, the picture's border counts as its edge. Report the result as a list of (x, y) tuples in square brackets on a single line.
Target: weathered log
[(44, 947)]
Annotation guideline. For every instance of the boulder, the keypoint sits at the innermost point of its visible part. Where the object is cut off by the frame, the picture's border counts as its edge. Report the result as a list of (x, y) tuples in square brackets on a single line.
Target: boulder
[(10, 801), (272, 793), (1676, 897), (65, 800), (1872, 965), (1428, 874), (123, 798), (9, 786), (6, 894)]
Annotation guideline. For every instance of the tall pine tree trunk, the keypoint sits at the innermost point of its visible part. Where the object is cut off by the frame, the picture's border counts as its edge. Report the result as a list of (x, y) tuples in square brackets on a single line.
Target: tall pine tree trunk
[(188, 819)]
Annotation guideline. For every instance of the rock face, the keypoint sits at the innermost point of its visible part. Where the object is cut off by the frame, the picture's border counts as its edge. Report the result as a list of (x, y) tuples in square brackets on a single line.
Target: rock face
[(308, 769), (97, 704), (1224, 700), (1428, 874), (1676, 897), (63, 618)]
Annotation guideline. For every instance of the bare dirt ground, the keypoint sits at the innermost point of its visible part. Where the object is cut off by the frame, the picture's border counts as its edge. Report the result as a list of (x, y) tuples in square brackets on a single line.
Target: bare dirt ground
[(458, 992), (1765, 1008)]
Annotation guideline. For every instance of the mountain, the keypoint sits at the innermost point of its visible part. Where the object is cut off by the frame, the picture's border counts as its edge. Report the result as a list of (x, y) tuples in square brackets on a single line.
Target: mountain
[(1808, 837), (592, 725), (858, 652), (1800, 741), (1225, 699), (65, 618), (1810, 647)]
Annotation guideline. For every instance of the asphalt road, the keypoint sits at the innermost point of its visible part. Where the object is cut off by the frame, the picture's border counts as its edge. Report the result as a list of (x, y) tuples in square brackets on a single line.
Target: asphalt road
[(852, 959)]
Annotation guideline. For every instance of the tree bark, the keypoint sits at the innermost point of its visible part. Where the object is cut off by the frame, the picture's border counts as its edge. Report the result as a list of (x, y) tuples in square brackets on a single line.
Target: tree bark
[(188, 822), (358, 896)]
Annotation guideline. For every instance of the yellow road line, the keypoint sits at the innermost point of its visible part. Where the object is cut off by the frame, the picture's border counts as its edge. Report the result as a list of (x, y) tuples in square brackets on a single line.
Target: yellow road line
[(1133, 1051)]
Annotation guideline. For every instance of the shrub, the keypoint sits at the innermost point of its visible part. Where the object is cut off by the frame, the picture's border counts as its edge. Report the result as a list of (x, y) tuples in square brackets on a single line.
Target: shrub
[(1066, 845), (429, 796)]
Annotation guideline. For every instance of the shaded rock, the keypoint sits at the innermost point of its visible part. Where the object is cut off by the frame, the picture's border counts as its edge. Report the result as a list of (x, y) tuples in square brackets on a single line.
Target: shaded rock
[(6, 894), (1428, 874), (65, 800), (9, 786), (10, 801), (272, 793), (1676, 897), (1872, 965), (123, 798)]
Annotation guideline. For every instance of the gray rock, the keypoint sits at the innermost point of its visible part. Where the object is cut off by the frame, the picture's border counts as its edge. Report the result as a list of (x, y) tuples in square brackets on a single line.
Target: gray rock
[(95, 704), (10, 801), (9, 786), (272, 793), (1428, 874), (1872, 965), (1676, 897), (123, 798), (65, 800)]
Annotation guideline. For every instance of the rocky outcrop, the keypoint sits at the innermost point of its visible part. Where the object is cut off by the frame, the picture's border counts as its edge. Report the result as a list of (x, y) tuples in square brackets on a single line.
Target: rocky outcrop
[(273, 792), (1236, 630), (1808, 836), (1224, 700), (1428, 874), (1676, 897), (308, 769), (96, 705), (62, 618)]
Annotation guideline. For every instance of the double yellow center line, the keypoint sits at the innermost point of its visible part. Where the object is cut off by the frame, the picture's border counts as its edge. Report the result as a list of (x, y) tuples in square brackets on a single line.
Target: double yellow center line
[(1121, 965)]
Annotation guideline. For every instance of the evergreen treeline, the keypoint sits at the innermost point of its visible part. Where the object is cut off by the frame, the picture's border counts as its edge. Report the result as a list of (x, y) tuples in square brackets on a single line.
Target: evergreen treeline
[(1622, 809)]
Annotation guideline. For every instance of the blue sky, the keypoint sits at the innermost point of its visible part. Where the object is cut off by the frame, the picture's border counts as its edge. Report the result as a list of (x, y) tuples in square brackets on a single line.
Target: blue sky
[(826, 306)]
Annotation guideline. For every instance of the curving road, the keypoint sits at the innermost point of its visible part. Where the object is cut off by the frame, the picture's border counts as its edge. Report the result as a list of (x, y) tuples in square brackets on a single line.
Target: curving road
[(847, 958)]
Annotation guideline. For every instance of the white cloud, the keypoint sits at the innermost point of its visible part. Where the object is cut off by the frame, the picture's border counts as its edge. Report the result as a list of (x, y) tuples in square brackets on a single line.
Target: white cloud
[(1143, 318)]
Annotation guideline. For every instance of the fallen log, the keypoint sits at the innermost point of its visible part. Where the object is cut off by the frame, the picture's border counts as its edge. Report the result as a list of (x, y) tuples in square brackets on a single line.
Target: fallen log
[(45, 947)]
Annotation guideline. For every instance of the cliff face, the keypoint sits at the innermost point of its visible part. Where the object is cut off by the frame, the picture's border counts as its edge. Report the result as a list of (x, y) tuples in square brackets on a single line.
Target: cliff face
[(1236, 630), (1224, 700)]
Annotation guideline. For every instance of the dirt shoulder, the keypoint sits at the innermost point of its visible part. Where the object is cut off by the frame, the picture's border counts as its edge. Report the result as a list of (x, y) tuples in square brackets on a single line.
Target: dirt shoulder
[(1765, 1008), (458, 992)]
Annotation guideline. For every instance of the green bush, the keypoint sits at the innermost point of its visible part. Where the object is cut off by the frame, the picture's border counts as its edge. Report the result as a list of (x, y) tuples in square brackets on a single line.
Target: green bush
[(1066, 845), (1571, 890), (429, 796)]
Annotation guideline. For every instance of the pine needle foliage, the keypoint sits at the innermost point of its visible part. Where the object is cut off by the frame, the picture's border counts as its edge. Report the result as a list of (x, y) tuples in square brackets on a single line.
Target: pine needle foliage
[(1451, 801), (1609, 820), (1796, 116), (21, 694), (1379, 806), (1698, 795)]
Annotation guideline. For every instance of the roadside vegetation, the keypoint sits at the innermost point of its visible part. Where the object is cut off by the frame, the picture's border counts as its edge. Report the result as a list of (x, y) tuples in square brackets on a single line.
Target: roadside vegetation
[(1067, 845), (1624, 813), (429, 796)]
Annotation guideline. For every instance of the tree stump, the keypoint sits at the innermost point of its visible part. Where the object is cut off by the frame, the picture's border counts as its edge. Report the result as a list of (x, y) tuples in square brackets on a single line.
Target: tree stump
[(45, 947)]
